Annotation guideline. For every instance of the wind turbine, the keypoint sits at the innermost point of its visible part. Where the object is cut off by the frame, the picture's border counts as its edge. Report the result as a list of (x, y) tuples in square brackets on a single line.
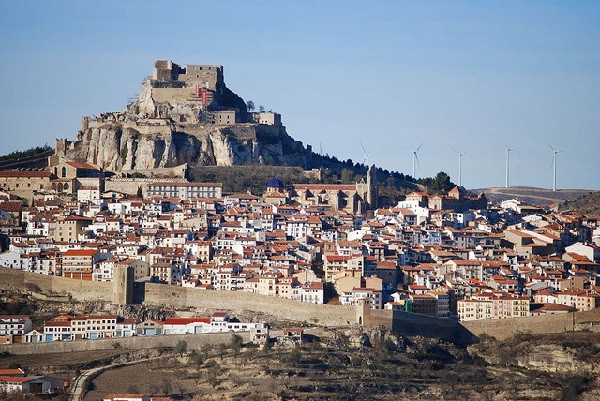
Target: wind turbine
[(554, 153), (507, 154), (460, 155), (366, 154), (416, 159)]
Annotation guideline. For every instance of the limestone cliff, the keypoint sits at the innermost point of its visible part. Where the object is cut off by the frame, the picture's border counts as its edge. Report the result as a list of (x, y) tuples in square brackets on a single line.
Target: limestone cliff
[(184, 115), (116, 146)]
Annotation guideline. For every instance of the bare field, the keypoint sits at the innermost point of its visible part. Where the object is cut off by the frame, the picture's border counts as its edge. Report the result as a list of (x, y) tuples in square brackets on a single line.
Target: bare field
[(58, 359)]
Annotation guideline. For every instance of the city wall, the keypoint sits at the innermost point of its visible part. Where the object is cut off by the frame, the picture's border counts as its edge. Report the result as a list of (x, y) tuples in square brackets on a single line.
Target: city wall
[(557, 323), (285, 309), (179, 297), (411, 324), (80, 290), (280, 308), (193, 341)]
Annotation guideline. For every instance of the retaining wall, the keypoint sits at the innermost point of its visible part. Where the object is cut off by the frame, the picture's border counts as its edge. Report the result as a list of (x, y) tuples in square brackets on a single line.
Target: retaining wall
[(138, 342)]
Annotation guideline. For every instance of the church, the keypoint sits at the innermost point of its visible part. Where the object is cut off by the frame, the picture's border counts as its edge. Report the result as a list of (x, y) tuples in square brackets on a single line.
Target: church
[(352, 198)]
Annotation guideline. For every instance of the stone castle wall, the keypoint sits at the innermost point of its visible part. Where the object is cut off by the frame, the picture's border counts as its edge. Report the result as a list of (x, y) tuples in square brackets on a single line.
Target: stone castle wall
[(285, 309), (194, 341), (280, 308), (543, 324), (179, 297), (80, 290)]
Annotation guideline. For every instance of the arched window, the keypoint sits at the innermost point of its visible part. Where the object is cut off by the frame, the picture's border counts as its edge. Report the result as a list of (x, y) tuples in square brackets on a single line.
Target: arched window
[(64, 172)]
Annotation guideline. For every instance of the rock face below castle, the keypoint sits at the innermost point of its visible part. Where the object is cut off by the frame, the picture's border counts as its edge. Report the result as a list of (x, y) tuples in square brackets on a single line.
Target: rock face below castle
[(183, 115)]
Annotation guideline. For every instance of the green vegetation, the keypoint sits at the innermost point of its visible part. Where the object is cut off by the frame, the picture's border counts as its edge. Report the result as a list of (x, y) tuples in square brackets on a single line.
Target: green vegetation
[(181, 347), (25, 153), (392, 185), (439, 185), (124, 154)]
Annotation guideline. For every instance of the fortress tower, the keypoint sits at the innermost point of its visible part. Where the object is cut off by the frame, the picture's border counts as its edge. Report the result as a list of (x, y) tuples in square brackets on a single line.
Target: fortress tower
[(123, 279), (206, 76)]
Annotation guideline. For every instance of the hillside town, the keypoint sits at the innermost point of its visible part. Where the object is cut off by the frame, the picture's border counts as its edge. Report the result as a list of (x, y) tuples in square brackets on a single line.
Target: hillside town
[(455, 256)]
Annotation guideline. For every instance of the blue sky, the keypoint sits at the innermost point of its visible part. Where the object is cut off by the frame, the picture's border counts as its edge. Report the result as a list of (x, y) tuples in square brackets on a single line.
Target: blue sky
[(474, 75)]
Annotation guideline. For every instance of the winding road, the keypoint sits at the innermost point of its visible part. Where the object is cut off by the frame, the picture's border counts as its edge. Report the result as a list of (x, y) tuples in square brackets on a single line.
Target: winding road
[(80, 383)]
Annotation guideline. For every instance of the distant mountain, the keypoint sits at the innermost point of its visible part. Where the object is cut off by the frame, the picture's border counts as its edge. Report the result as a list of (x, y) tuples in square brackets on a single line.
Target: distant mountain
[(588, 205), (533, 195)]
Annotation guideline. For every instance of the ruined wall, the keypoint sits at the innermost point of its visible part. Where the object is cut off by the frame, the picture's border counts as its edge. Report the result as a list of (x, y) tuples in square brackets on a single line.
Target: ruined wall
[(194, 341)]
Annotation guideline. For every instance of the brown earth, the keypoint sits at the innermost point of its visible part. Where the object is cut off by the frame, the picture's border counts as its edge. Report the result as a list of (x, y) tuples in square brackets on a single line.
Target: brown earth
[(532, 195)]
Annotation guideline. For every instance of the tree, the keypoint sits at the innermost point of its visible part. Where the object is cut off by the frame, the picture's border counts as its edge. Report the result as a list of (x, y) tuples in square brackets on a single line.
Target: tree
[(237, 342), (261, 108), (250, 105), (295, 356), (181, 347), (222, 349), (198, 361), (347, 176), (268, 346)]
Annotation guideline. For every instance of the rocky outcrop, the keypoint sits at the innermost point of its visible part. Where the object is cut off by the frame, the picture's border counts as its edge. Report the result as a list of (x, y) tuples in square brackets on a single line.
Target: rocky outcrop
[(116, 146)]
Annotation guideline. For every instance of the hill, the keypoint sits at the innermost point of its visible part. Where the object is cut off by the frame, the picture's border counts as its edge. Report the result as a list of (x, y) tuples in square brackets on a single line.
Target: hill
[(532, 195), (588, 205)]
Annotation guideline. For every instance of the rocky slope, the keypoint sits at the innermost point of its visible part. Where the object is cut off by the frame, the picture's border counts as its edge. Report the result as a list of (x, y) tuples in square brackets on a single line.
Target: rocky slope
[(119, 146)]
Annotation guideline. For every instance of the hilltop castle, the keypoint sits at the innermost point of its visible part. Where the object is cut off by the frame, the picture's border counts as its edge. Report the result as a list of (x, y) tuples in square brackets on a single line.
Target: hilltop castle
[(183, 116)]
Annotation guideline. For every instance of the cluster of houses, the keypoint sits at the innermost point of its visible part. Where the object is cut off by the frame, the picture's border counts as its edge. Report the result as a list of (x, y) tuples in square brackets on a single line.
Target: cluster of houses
[(452, 256), (17, 381), (19, 329)]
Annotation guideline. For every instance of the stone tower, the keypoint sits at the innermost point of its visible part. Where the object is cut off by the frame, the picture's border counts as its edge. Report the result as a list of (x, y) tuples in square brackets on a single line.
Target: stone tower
[(123, 279)]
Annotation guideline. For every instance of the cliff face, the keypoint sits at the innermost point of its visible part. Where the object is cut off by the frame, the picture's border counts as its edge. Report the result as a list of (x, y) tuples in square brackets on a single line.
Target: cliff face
[(119, 146)]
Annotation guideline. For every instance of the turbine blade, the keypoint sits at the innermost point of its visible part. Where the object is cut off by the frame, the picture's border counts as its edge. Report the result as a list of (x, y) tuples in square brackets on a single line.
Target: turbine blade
[(420, 146), (452, 147), (363, 148), (550, 146), (417, 159)]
